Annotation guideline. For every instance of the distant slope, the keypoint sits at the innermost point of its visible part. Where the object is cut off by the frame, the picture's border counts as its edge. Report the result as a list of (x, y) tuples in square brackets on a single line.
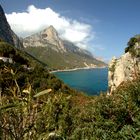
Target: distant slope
[(58, 61), (49, 48)]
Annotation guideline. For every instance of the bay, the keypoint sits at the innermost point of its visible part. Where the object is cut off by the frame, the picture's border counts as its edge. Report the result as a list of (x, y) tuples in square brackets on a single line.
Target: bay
[(90, 81)]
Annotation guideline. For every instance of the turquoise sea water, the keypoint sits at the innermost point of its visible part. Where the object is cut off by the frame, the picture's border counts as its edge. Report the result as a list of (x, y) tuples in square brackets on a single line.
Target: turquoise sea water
[(91, 81)]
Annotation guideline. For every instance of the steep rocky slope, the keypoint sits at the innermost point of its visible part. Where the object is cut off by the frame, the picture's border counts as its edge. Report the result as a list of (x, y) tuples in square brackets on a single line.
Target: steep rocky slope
[(127, 67), (48, 47), (46, 38), (6, 33)]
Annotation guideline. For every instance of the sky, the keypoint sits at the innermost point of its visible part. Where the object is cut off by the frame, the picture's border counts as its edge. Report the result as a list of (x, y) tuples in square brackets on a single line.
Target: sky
[(101, 26)]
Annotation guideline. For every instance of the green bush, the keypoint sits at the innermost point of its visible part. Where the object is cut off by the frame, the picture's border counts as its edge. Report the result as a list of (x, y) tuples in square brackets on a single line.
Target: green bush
[(131, 46)]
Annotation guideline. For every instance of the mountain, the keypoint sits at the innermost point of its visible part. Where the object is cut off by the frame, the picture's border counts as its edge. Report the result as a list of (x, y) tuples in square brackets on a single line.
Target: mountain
[(47, 44), (127, 67), (7, 35), (48, 47), (6, 32), (15, 55)]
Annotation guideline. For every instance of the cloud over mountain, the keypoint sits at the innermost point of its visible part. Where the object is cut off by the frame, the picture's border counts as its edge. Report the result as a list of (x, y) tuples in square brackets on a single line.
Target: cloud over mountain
[(34, 19)]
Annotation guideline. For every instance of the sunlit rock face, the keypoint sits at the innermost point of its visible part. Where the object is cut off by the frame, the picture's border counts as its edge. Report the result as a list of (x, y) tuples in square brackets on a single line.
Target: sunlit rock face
[(126, 68), (44, 38)]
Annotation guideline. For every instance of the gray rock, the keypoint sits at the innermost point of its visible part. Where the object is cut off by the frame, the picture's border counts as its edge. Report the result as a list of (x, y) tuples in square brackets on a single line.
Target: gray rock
[(44, 38)]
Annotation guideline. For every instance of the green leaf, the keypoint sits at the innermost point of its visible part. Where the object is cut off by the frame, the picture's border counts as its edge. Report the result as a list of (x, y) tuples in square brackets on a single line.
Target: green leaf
[(43, 92)]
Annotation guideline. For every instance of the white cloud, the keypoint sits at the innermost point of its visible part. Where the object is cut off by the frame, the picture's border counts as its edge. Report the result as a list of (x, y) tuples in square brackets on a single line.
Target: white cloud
[(34, 20)]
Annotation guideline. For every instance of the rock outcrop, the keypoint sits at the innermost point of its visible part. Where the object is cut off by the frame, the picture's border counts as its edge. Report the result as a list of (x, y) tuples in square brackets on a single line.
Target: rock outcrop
[(126, 68), (45, 38), (6, 32)]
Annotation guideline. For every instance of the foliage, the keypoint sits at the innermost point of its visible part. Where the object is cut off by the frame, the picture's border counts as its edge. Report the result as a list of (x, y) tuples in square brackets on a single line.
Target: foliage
[(62, 111), (72, 59), (6, 49), (112, 68), (18, 56), (24, 98), (131, 46), (34, 104)]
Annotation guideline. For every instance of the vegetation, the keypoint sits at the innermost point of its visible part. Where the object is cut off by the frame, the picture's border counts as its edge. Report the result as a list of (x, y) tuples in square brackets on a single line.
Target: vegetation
[(36, 105), (134, 46), (72, 60), (18, 56), (112, 69)]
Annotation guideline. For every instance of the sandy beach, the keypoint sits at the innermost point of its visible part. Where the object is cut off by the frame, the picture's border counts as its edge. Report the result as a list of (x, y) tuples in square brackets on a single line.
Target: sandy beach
[(75, 69)]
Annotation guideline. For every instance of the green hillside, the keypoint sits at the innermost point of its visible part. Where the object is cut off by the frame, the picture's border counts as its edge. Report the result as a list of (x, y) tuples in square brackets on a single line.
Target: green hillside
[(57, 60), (36, 105), (48, 47), (19, 56)]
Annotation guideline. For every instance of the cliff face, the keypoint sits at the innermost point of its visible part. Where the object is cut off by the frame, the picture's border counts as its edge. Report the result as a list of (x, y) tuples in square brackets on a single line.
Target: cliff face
[(47, 37), (126, 68), (6, 33)]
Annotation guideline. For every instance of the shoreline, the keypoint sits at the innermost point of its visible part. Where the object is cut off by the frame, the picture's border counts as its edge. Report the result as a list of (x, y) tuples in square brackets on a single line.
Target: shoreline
[(75, 69)]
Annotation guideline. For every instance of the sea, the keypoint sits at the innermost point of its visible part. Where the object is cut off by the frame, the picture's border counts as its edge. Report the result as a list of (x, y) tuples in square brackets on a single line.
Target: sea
[(89, 81)]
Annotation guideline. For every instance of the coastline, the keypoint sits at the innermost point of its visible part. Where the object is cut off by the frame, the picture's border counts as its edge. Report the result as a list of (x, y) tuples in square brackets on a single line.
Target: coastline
[(75, 69)]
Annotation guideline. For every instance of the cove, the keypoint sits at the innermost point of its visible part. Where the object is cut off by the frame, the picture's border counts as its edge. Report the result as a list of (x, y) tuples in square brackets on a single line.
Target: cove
[(90, 81)]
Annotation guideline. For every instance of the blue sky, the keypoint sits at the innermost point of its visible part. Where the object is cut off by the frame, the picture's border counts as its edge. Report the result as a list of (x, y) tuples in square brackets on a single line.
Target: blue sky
[(110, 22)]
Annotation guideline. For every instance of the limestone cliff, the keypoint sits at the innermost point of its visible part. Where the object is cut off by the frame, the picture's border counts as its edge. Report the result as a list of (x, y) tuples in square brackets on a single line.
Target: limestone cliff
[(127, 67), (45, 38)]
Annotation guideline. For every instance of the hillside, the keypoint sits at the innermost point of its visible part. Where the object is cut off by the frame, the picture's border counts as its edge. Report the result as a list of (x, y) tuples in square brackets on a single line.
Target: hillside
[(49, 48), (36, 105), (25, 92), (24, 67), (17, 55)]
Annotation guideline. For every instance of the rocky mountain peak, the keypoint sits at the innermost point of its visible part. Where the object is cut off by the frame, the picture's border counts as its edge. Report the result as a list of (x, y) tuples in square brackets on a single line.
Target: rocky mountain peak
[(50, 34), (5, 31), (45, 37), (52, 30)]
